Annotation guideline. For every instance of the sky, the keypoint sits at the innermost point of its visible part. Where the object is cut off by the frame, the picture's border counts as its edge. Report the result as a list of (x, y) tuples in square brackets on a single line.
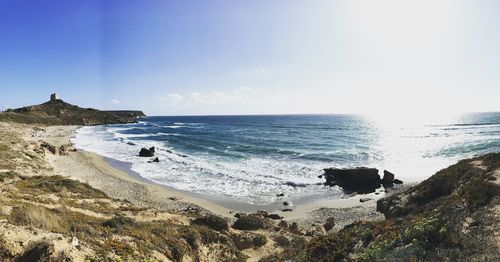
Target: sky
[(253, 57)]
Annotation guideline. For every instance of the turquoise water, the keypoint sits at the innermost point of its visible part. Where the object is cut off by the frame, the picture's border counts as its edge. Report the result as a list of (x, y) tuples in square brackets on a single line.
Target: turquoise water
[(252, 158)]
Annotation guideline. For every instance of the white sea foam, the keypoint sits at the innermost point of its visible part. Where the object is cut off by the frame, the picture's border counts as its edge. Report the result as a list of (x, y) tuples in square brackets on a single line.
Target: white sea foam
[(253, 180)]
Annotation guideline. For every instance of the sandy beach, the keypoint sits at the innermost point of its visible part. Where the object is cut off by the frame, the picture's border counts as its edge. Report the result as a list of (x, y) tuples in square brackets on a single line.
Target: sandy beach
[(122, 183)]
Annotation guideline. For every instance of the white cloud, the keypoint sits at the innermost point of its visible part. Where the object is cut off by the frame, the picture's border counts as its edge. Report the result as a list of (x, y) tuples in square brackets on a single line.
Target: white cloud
[(243, 98), (172, 99), (114, 101), (214, 97)]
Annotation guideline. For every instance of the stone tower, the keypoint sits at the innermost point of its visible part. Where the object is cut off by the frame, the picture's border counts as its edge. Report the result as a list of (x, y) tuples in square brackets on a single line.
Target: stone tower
[(54, 97)]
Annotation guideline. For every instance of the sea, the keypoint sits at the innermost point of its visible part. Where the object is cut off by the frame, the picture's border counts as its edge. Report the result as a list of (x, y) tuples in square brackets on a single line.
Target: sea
[(251, 159)]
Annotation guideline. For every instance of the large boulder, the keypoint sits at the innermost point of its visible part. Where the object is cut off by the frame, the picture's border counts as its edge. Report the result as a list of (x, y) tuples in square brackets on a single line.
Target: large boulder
[(361, 180), (147, 152), (388, 179)]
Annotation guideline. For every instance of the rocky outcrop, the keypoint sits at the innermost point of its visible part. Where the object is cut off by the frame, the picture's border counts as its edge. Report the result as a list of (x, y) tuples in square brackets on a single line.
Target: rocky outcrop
[(361, 180), (51, 148), (388, 178), (63, 150), (147, 152), (127, 113), (452, 216), (58, 112)]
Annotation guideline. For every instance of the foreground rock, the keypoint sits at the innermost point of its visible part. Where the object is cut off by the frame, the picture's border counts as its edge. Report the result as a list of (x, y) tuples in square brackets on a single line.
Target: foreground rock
[(361, 180)]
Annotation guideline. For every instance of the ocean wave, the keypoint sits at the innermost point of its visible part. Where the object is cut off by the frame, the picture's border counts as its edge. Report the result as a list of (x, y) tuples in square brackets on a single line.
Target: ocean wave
[(124, 136), (251, 160), (250, 180)]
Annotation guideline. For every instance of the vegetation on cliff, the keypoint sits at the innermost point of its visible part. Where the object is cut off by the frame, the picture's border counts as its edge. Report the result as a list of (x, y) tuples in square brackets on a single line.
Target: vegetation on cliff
[(452, 216), (58, 112)]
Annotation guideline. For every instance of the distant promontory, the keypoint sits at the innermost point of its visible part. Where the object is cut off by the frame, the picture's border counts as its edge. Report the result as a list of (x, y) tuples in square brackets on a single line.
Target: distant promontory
[(58, 112)]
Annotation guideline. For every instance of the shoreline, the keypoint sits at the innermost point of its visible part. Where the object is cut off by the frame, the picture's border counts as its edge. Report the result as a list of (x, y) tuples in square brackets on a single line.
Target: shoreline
[(301, 206), (116, 179)]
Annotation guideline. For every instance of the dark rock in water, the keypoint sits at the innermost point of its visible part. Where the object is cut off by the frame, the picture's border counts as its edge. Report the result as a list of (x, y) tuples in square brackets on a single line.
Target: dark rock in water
[(287, 210), (147, 152), (286, 203), (364, 199), (280, 195), (156, 160), (388, 178), (361, 180), (293, 184), (398, 182), (274, 216), (131, 143), (320, 176)]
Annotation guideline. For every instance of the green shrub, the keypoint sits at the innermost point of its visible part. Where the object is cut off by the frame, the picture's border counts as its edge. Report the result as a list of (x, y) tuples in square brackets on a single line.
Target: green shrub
[(213, 222), (119, 222), (249, 223), (259, 240)]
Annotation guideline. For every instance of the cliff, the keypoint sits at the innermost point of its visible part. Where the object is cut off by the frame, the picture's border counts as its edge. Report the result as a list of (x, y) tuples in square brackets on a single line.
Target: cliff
[(58, 112)]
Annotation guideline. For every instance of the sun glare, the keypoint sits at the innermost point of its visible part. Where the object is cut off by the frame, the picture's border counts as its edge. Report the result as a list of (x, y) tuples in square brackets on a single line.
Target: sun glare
[(395, 23)]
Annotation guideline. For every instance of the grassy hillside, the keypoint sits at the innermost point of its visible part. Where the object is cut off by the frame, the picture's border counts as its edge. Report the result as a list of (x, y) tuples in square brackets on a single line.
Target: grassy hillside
[(58, 112), (48, 217)]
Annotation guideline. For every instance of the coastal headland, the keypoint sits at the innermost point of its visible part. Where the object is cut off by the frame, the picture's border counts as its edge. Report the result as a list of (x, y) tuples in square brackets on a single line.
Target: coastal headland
[(60, 203)]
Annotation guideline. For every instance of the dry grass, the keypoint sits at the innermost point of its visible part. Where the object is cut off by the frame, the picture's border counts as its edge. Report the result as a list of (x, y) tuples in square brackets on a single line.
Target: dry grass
[(4, 147), (58, 185), (36, 216)]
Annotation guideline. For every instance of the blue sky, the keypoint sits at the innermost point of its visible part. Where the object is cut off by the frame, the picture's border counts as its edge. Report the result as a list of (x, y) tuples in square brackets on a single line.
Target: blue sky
[(253, 57)]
